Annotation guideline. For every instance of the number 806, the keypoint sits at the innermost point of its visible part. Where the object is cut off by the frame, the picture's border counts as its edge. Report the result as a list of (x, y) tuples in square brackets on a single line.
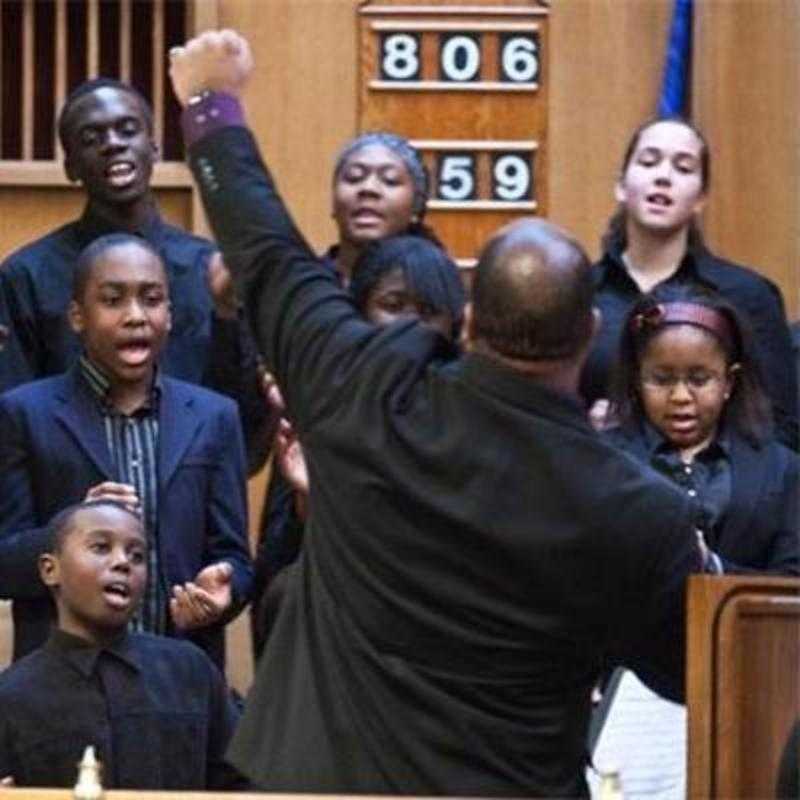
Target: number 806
[(460, 57)]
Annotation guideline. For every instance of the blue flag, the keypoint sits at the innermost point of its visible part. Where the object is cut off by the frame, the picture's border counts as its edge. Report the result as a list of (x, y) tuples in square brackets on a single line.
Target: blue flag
[(677, 67)]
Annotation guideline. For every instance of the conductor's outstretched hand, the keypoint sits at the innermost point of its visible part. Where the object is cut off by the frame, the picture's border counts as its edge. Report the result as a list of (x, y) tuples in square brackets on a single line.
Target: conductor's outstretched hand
[(217, 61)]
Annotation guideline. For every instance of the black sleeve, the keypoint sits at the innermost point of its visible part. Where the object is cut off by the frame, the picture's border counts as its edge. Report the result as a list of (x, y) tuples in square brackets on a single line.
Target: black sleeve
[(20, 354), (233, 369)]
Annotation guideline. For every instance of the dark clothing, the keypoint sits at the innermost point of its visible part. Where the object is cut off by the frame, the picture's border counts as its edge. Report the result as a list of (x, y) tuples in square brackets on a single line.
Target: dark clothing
[(53, 448), (473, 548), (758, 529), (156, 710), (278, 547), (707, 480), (788, 783), (202, 348), (756, 297), (133, 444), (280, 532)]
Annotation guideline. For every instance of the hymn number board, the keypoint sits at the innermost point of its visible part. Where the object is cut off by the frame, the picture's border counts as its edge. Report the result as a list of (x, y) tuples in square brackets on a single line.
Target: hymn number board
[(459, 64), (468, 85)]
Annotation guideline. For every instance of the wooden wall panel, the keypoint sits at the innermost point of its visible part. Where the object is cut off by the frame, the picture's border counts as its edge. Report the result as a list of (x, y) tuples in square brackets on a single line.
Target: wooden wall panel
[(606, 61), (28, 213), (746, 94), (477, 120), (302, 100)]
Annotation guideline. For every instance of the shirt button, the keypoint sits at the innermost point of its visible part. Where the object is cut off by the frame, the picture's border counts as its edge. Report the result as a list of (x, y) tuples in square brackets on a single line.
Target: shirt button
[(692, 493), (688, 470)]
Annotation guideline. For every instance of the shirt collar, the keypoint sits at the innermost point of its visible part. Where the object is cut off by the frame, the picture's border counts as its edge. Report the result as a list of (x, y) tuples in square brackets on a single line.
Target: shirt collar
[(83, 655), (522, 390), (92, 226), (100, 385), (657, 444), (693, 268)]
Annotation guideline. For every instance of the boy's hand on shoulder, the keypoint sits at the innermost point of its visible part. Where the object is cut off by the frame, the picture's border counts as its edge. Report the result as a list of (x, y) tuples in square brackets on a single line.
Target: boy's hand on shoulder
[(122, 493), (204, 600)]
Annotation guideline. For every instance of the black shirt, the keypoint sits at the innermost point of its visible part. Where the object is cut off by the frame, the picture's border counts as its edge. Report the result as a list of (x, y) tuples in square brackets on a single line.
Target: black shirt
[(707, 479), (755, 296), (156, 710)]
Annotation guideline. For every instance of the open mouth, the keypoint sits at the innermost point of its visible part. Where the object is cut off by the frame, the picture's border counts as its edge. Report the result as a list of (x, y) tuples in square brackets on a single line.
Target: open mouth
[(683, 423), (135, 351), (121, 174), (660, 200), (367, 215), (117, 594)]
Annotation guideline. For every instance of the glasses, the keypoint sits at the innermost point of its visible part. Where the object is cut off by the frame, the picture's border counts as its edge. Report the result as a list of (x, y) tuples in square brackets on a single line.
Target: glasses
[(697, 381)]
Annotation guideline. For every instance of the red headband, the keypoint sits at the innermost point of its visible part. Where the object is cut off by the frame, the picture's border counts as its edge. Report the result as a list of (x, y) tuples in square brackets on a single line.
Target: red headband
[(688, 314)]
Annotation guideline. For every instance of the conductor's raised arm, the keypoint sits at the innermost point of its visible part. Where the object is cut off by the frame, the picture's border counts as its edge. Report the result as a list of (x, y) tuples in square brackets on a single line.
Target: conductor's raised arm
[(215, 61)]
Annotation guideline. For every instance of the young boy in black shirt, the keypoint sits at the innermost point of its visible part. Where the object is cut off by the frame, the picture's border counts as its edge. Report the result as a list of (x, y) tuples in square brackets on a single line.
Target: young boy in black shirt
[(156, 709)]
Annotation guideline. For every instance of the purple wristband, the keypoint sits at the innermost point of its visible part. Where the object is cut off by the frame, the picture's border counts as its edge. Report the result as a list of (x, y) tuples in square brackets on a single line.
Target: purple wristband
[(209, 112)]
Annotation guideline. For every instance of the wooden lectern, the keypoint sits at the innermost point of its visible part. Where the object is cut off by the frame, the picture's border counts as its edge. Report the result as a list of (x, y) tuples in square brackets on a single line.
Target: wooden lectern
[(742, 682)]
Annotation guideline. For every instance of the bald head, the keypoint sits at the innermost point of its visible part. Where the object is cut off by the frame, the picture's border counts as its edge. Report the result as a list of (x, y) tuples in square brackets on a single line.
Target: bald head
[(532, 294)]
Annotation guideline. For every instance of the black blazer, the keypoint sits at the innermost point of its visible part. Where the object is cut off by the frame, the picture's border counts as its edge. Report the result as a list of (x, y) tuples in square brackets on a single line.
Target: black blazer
[(760, 531)]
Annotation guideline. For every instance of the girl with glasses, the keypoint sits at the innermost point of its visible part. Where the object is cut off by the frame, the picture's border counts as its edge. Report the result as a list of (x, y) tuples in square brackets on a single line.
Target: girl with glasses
[(688, 402), (688, 398)]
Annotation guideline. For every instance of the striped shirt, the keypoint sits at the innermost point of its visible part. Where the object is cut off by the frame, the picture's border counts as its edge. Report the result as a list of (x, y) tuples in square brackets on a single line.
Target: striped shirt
[(133, 444)]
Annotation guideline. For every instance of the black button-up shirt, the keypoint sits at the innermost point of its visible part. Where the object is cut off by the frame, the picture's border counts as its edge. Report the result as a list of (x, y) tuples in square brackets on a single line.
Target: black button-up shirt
[(156, 710), (707, 479)]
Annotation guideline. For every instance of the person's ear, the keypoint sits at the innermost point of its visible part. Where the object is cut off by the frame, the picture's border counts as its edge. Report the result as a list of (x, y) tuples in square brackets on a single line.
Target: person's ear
[(49, 570), (169, 316), (155, 149), (700, 204), (468, 327), (69, 169), (730, 379), (620, 192), (597, 322), (75, 317)]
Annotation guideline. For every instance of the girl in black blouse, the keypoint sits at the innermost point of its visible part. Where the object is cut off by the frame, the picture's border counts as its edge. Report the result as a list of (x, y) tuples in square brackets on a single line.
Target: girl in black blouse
[(689, 401)]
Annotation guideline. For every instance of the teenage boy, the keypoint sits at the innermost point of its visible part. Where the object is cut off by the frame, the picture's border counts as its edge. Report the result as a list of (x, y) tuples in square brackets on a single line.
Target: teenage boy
[(114, 427), (156, 710), (106, 131)]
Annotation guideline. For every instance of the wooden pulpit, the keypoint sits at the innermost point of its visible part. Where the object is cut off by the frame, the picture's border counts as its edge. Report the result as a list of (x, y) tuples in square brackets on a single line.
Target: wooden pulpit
[(742, 683)]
